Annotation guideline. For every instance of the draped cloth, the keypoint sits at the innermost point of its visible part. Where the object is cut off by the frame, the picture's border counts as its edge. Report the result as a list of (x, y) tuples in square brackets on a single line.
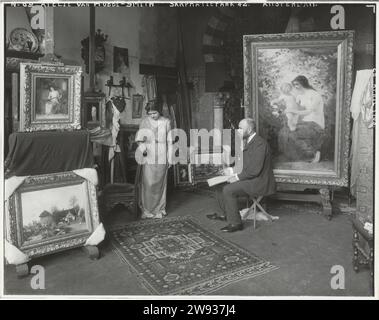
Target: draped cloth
[(152, 176), (362, 113), (183, 94), (33, 153)]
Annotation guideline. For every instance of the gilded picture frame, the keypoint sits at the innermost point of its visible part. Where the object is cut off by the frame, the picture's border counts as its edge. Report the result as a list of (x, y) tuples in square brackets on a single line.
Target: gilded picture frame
[(52, 212), (297, 87), (93, 112), (137, 106), (50, 97)]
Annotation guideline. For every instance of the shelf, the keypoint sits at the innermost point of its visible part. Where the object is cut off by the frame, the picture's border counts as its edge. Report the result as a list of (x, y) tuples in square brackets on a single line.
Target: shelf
[(23, 55)]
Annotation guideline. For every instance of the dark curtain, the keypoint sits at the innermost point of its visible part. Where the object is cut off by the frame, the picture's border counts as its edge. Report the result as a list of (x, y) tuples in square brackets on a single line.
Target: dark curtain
[(183, 94)]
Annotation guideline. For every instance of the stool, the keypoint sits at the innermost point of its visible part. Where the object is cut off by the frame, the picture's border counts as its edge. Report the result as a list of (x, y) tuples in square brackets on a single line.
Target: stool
[(253, 209), (362, 257)]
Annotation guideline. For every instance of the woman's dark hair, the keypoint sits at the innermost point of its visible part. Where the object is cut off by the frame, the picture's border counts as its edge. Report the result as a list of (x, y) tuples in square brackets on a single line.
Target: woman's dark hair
[(154, 105), (303, 80)]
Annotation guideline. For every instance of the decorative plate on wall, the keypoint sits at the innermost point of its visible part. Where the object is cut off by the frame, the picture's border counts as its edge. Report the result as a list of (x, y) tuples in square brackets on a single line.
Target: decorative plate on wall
[(21, 39)]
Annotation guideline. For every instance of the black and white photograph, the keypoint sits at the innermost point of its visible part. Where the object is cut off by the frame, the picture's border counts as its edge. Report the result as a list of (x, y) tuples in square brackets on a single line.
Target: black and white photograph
[(118, 185)]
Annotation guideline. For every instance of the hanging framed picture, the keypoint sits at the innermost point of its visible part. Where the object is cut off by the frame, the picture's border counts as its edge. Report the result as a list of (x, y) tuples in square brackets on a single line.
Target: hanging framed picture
[(93, 113), (137, 106), (49, 97), (298, 89), (120, 60)]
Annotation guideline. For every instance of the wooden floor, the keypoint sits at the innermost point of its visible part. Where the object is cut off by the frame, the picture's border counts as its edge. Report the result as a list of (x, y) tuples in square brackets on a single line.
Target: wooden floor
[(302, 243)]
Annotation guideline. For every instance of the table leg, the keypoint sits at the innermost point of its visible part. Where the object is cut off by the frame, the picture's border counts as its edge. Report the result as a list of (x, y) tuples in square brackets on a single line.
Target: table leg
[(325, 202), (355, 251), (22, 270), (93, 252)]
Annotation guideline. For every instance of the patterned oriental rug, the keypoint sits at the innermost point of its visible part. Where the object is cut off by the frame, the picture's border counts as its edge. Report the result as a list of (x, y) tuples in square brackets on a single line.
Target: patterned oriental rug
[(176, 256)]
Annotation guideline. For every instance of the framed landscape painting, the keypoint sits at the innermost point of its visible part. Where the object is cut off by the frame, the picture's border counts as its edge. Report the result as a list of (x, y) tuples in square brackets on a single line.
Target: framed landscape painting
[(52, 212), (49, 97), (298, 89)]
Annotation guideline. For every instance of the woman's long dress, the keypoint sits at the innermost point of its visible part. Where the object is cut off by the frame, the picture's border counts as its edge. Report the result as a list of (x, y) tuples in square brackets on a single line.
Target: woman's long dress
[(153, 175)]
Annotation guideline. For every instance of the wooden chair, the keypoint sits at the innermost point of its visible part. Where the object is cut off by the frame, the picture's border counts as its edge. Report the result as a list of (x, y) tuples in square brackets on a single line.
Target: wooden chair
[(363, 256), (254, 209), (119, 193)]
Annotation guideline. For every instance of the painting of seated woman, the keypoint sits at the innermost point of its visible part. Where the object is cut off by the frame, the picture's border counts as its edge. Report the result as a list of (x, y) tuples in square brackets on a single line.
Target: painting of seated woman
[(297, 86), (297, 106), (51, 98)]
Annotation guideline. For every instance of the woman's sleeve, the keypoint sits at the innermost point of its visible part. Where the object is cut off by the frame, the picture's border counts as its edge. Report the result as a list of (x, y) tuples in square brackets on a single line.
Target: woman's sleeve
[(140, 137), (170, 146), (168, 130)]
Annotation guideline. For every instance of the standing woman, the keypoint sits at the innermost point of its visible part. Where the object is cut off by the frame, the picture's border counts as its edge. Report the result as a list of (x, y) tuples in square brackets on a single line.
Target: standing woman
[(152, 138)]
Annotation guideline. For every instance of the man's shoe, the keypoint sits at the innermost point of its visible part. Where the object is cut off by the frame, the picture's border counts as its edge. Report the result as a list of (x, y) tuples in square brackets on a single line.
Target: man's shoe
[(215, 216), (232, 227)]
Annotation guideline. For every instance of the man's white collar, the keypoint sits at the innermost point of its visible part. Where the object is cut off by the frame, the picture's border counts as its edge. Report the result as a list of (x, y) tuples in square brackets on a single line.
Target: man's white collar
[(251, 137)]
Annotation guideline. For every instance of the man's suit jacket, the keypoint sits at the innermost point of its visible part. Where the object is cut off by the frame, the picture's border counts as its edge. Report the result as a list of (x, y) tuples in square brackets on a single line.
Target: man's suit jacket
[(257, 172)]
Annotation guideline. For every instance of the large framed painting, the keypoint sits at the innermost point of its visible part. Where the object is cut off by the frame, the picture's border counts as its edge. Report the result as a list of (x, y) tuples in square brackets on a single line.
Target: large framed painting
[(49, 97), (298, 90), (52, 212)]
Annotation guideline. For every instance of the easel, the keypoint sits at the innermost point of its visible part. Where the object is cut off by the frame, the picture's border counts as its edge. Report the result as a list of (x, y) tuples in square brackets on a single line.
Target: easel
[(287, 192)]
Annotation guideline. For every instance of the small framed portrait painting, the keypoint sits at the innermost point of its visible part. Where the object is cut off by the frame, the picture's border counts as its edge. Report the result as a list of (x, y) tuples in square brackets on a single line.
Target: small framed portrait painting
[(49, 97), (183, 175)]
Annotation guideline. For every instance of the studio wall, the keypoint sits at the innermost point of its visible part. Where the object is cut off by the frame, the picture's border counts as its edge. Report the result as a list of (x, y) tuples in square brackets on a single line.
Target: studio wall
[(149, 34), (259, 19)]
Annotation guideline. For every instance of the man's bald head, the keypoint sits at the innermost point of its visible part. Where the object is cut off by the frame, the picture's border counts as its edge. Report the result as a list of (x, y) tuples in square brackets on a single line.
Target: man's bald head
[(247, 126)]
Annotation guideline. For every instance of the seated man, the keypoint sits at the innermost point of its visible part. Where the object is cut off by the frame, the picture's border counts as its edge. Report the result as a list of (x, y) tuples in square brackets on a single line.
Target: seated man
[(256, 178)]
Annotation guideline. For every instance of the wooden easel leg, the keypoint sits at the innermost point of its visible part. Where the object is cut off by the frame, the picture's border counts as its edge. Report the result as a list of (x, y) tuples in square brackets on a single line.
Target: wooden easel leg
[(325, 202), (22, 270)]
